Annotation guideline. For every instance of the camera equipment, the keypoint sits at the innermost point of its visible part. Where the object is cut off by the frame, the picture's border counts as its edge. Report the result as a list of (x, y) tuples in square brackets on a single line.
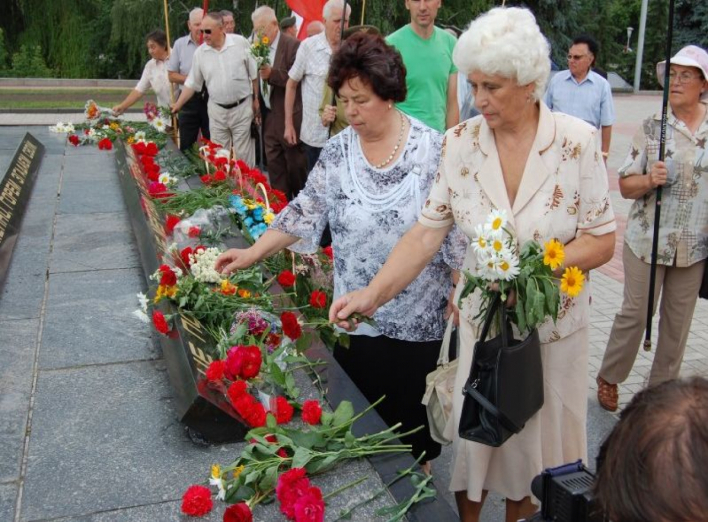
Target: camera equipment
[(566, 495)]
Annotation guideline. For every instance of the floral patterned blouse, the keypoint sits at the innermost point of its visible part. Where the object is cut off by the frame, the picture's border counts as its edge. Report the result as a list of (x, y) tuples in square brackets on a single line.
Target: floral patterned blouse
[(369, 210), (563, 194), (683, 234)]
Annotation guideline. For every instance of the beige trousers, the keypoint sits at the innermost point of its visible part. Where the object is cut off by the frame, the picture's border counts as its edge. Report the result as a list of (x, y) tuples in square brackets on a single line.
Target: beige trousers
[(233, 127), (679, 293)]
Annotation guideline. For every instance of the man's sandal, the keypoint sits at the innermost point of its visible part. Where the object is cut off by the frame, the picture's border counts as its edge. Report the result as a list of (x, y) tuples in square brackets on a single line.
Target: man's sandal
[(607, 394)]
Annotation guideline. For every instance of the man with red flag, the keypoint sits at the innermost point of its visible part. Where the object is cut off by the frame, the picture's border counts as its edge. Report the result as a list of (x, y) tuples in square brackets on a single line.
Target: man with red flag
[(311, 67)]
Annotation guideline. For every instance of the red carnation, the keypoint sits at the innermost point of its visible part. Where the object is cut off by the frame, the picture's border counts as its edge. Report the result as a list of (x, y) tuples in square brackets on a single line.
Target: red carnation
[(291, 485), (328, 252), (196, 501), (171, 222), (221, 161), (318, 299), (169, 278), (310, 507), (251, 360), (184, 254), (245, 169), (194, 231), (291, 326), (215, 371), (158, 319), (152, 172), (105, 144), (139, 147), (256, 417), (232, 370), (286, 279), (311, 412), (206, 179), (151, 149), (74, 140), (238, 513), (283, 410), (220, 175), (236, 390)]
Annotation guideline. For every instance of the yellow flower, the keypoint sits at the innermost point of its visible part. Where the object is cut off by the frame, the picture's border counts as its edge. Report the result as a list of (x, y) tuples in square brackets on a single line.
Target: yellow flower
[(553, 254), (215, 471), (268, 218), (131, 140), (244, 293), (265, 40), (114, 126), (572, 281), (238, 471)]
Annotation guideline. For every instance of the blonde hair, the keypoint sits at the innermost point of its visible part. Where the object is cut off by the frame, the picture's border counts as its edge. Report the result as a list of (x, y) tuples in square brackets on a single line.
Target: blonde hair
[(506, 41)]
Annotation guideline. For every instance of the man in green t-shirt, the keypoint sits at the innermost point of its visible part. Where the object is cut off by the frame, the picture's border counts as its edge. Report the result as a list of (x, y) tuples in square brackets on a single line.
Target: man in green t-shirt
[(431, 76)]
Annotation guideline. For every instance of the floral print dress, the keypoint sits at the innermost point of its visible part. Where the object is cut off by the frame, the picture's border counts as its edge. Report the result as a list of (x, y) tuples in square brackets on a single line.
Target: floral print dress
[(369, 210), (563, 194)]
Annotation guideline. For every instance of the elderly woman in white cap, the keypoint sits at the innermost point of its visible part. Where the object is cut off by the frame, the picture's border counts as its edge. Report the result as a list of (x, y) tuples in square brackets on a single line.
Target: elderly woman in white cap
[(546, 172), (683, 233)]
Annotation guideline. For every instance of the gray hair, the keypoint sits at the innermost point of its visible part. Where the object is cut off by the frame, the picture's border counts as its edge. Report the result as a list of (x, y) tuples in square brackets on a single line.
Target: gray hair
[(506, 41), (264, 11), (226, 12), (196, 14), (217, 17), (335, 4)]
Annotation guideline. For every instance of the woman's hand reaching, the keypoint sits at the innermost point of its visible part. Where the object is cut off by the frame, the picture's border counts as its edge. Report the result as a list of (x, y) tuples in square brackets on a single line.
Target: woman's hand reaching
[(234, 259), (362, 301)]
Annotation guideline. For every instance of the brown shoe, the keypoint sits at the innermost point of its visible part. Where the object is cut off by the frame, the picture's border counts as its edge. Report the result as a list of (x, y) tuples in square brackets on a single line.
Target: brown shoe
[(607, 394)]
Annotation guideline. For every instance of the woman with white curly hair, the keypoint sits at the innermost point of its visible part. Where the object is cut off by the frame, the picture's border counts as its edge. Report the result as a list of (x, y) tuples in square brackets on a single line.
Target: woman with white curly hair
[(545, 171)]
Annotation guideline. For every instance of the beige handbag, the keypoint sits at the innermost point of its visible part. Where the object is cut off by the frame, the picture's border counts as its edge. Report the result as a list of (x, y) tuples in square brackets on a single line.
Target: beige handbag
[(439, 387)]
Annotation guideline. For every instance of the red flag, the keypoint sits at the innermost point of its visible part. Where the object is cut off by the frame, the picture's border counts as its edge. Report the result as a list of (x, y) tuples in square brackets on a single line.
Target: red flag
[(309, 10), (205, 7)]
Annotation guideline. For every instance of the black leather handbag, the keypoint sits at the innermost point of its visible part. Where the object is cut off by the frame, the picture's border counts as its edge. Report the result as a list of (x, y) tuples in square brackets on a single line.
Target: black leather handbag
[(505, 386)]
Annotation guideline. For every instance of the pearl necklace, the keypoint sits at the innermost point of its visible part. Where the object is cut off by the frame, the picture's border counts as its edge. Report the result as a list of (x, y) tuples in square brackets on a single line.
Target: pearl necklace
[(398, 144)]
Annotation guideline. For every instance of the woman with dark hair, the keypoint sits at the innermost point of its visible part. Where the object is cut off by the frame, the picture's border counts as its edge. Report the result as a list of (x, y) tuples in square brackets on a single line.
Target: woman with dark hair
[(652, 467), (369, 185), (154, 74)]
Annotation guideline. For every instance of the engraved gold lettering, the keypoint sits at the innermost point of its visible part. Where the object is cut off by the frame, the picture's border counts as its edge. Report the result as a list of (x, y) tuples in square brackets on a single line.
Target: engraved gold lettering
[(191, 325), (200, 358)]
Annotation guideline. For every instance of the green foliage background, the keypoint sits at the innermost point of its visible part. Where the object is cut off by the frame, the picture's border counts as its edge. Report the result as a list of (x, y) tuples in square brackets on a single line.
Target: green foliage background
[(105, 38)]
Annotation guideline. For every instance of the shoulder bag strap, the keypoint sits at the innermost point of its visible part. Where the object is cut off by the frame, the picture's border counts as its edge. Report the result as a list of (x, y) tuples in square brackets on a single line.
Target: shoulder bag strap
[(493, 410)]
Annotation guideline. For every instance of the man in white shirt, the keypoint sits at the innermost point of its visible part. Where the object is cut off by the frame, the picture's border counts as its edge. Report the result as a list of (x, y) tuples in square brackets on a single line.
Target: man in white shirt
[(225, 64), (311, 67)]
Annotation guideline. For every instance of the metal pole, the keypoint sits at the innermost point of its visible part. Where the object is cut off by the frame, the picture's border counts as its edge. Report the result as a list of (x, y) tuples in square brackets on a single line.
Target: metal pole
[(657, 210), (363, 11), (640, 45), (175, 125)]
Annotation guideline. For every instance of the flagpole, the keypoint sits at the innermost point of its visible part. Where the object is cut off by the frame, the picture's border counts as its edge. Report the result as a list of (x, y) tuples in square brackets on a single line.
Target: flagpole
[(363, 11), (657, 208), (175, 128)]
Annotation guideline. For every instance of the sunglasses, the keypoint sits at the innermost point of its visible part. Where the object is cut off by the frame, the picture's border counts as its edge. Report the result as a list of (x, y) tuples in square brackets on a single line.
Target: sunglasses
[(576, 57), (205, 31)]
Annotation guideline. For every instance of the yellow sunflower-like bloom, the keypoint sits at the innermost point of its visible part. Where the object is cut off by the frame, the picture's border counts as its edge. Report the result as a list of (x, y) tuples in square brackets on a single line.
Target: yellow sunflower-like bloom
[(268, 218), (265, 40), (131, 140), (553, 254), (572, 281), (114, 126)]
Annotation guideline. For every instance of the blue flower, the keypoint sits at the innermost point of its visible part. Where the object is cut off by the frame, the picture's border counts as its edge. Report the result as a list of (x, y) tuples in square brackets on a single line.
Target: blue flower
[(238, 205)]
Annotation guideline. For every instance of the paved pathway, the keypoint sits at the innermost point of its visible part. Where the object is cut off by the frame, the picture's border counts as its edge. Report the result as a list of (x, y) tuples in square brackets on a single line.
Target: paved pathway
[(48, 303)]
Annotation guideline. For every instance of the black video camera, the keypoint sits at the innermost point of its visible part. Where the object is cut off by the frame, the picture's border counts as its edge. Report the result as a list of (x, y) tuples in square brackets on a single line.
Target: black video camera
[(566, 495)]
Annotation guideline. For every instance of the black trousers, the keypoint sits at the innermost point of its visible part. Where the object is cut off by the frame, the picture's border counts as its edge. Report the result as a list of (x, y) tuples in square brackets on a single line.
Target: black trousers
[(192, 118), (385, 366)]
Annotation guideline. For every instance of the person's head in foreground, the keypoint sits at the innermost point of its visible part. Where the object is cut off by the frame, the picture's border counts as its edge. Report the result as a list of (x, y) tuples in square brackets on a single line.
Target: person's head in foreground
[(506, 59), (653, 467), (688, 78), (369, 77)]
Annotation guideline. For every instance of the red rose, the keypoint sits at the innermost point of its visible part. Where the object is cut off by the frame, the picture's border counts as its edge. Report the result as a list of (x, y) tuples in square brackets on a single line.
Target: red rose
[(74, 140), (105, 144), (215, 371), (236, 390), (158, 319), (311, 412), (169, 278), (171, 222), (196, 501), (286, 279), (310, 507), (291, 326), (318, 299), (238, 513), (328, 252), (151, 149), (283, 410)]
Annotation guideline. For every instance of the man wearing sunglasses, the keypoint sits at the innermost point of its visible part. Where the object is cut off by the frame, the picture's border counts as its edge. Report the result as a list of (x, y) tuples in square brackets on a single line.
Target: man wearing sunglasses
[(581, 92), (226, 66)]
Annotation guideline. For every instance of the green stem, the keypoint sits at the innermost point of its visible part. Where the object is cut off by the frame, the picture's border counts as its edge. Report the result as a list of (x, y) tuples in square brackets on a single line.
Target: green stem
[(345, 487)]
